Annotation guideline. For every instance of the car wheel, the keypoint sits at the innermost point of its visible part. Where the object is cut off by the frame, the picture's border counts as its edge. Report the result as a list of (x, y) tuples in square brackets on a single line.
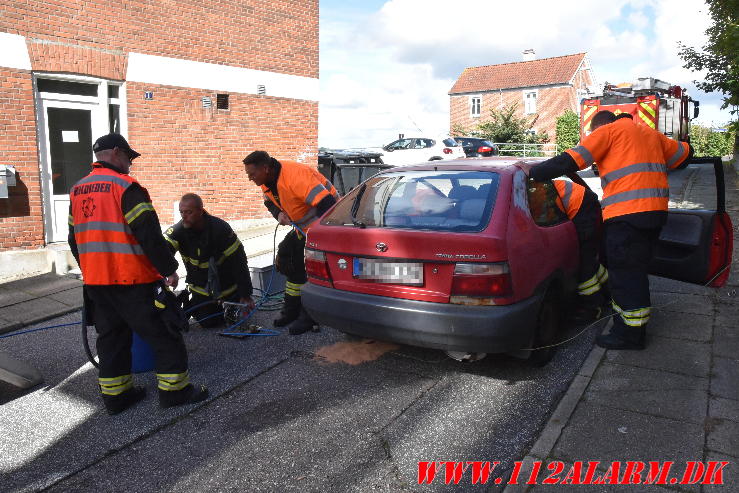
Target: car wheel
[(435, 158), (545, 334)]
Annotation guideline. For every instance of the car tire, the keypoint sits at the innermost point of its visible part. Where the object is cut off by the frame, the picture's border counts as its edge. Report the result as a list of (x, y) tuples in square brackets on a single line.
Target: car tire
[(435, 158), (547, 329)]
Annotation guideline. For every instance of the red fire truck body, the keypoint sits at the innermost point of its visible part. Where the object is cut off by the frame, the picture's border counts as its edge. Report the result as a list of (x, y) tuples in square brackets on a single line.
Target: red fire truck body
[(650, 101)]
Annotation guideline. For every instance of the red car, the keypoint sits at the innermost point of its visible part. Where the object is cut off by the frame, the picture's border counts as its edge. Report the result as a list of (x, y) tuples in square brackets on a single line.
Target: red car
[(459, 256)]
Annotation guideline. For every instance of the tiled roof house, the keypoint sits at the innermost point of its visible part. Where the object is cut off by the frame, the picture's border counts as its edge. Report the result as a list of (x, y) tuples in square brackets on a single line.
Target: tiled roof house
[(543, 89)]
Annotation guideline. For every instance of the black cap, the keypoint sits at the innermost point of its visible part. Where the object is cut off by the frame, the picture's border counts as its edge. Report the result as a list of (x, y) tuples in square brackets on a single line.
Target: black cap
[(111, 141)]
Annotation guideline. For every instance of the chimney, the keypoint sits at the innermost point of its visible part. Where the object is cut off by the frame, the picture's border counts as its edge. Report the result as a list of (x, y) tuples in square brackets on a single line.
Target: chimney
[(529, 55)]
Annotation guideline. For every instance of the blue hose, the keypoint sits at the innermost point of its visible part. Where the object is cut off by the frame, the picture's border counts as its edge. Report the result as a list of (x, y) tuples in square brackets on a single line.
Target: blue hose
[(38, 329)]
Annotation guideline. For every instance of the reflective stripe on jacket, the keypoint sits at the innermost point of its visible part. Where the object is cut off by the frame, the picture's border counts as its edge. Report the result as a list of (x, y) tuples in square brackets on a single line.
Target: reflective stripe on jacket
[(109, 253), (632, 162), (300, 188), (570, 196)]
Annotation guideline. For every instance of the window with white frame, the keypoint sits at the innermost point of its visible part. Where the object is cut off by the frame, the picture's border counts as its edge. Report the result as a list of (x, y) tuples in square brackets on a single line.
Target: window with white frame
[(475, 105), (529, 101)]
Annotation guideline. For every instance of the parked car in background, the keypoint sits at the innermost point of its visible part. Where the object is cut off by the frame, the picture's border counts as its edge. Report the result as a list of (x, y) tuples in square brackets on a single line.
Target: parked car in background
[(414, 150), (475, 147)]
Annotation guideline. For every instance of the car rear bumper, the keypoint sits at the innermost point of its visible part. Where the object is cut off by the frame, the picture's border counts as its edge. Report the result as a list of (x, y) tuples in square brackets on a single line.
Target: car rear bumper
[(481, 329)]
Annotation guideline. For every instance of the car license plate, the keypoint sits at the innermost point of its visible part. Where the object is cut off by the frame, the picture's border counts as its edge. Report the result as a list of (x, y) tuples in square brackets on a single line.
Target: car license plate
[(379, 270)]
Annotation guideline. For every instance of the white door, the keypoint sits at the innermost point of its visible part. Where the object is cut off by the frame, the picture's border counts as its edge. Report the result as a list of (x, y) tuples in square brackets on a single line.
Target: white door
[(72, 114)]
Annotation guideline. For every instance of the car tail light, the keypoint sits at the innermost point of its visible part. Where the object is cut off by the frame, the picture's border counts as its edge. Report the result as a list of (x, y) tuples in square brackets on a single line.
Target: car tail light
[(484, 149), (447, 150), (479, 284), (316, 265), (721, 249)]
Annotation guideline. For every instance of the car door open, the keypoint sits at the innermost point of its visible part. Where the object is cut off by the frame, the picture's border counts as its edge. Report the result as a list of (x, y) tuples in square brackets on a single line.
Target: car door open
[(696, 246)]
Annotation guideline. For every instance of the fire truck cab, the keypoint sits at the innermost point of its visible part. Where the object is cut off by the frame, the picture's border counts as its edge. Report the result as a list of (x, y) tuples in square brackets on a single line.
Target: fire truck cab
[(652, 102)]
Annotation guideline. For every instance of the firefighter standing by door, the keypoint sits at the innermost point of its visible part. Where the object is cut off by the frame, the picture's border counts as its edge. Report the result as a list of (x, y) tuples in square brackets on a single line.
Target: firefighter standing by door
[(217, 268), (583, 209), (115, 236), (632, 161), (295, 194)]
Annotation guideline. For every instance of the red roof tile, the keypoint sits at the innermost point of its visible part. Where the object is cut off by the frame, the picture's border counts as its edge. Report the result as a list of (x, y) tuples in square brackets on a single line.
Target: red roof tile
[(542, 72)]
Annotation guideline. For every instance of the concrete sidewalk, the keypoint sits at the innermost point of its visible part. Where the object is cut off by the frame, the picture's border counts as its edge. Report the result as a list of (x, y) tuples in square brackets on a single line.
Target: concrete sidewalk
[(678, 400), (35, 299)]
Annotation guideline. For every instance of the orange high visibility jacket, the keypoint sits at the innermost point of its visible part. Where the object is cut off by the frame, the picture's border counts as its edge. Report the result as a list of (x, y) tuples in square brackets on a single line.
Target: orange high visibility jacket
[(108, 251), (300, 188), (632, 162), (570, 196)]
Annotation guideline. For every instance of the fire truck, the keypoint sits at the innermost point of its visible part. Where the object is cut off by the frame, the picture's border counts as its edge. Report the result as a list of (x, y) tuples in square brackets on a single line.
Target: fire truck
[(650, 101)]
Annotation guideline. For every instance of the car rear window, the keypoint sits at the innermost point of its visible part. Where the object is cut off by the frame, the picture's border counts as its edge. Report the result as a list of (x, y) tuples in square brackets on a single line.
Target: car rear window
[(425, 200), (450, 142)]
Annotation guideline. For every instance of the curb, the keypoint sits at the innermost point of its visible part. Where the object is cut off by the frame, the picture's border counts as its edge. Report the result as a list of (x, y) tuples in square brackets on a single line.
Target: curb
[(561, 416)]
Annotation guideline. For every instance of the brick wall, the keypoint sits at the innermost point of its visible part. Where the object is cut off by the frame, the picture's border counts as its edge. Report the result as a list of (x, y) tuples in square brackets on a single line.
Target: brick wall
[(188, 148), (272, 35), (185, 147), (21, 223)]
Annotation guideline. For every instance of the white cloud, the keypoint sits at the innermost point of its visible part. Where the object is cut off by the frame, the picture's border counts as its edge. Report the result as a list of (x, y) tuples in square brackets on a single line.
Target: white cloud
[(389, 71)]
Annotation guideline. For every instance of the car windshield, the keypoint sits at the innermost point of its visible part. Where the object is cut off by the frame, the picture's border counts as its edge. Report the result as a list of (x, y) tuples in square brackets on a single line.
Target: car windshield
[(428, 200)]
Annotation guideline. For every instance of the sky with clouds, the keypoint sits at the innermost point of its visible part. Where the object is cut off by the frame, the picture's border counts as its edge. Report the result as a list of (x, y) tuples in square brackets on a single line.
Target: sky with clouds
[(387, 66)]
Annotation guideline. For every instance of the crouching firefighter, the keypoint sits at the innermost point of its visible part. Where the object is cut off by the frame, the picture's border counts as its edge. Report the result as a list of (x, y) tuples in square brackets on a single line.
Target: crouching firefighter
[(583, 209), (217, 268), (299, 195), (115, 236)]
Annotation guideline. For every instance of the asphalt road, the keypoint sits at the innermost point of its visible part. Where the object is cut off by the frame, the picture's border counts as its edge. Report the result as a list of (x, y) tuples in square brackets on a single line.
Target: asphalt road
[(316, 412)]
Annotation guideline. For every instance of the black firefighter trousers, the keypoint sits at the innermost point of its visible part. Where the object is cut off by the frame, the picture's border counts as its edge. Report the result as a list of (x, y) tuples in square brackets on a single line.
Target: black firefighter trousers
[(628, 254), (116, 312)]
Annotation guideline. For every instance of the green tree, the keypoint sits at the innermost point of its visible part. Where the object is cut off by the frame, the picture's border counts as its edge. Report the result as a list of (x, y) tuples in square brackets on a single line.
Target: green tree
[(706, 142), (568, 131), (720, 56), (505, 126)]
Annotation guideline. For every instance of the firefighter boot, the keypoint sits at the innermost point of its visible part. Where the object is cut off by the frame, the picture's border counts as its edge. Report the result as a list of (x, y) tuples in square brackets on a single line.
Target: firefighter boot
[(189, 395), (622, 336), (290, 311), (115, 404), (589, 309), (301, 324)]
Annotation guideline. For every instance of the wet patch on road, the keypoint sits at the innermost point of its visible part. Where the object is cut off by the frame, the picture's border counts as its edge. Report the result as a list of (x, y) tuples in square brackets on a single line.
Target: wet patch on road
[(354, 352)]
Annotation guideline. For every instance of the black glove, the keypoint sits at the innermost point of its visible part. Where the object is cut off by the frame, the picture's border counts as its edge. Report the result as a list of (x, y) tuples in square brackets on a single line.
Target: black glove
[(170, 309)]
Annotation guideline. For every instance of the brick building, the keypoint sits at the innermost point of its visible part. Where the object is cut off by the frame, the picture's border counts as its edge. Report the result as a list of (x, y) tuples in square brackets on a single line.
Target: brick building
[(543, 89), (193, 85)]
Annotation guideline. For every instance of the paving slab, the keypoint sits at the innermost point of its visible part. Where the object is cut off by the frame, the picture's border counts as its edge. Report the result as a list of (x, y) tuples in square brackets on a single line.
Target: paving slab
[(723, 409), (70, 297), (9, 296), (561, 486), (663, 353), (729, 474), (34, 310), (8, 326), (725, 338), (662, 284), (685, 303), (52, 285), (606, 434), (724, 378), (686, 326), (723, 436), (653, 392)]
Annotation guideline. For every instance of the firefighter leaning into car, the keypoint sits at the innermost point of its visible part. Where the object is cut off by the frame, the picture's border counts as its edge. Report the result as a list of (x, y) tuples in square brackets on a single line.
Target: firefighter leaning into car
[(217, 269), (632, 161), (295, 194), (115, 236), (582, 207)]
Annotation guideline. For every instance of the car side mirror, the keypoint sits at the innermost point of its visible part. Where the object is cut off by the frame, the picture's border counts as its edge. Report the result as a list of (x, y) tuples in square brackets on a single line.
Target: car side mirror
[(696, 109)]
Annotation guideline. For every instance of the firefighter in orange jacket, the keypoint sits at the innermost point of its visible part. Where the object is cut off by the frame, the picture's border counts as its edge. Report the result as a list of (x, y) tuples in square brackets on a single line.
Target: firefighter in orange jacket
[(583, 209), (294, 194), (114, 234), (632, 161)]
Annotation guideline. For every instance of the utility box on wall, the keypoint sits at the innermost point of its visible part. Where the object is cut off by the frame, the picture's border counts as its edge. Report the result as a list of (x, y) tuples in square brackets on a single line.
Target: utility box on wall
[(7, 179)]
